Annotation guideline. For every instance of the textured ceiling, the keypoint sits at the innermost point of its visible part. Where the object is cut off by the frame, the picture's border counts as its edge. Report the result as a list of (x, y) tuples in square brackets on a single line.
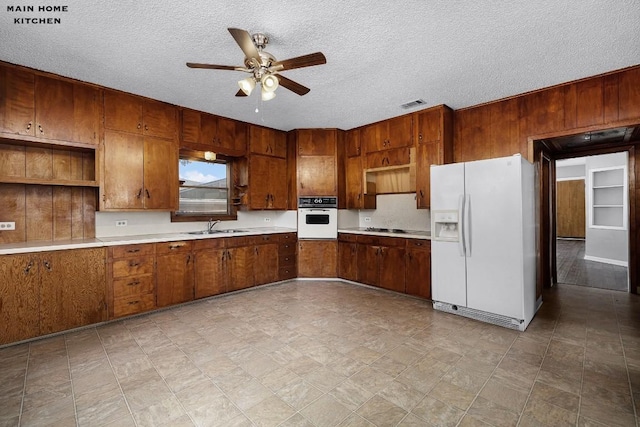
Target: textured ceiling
[(380, 54)]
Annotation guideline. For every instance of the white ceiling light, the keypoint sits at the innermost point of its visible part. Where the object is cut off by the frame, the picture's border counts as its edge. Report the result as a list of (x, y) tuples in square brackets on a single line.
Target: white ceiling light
[(267, 96), (269, 82), (247, 85)]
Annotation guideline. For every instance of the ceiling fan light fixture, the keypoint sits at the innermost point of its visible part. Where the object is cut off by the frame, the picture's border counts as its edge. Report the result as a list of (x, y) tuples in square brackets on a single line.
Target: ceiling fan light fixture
[(267, 96), (247, 85), (269, 83)]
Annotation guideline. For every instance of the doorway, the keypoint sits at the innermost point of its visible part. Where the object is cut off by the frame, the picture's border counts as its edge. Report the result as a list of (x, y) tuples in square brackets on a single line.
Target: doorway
[(584, 252)]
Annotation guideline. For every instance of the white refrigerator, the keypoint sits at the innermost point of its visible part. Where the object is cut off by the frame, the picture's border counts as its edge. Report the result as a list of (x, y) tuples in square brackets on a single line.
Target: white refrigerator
[(483, 257)]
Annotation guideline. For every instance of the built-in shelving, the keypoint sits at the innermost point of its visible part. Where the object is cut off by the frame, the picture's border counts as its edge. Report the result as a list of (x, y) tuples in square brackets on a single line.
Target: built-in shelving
[(608, 202)]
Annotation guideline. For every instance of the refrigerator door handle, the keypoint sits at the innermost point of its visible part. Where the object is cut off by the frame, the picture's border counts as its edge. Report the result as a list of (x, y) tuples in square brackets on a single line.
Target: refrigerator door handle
[(467, 225), (461, 242)]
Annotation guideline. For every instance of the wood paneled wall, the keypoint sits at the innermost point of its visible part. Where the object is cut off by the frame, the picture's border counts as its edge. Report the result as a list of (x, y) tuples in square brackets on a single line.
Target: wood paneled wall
[(46, 212), (504, 127)]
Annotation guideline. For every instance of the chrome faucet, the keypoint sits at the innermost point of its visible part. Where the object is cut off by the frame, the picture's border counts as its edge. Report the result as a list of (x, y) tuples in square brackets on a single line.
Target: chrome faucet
[(212, 224)]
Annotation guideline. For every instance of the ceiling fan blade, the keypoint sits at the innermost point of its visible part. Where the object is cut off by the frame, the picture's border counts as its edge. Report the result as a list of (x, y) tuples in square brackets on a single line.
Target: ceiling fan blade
[(240, 93), (244, 40), (309, 60), (293, 86), (215, 67)]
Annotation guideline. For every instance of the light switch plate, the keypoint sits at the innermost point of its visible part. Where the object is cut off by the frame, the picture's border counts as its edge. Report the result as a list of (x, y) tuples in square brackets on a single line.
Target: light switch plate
[(7, 225)]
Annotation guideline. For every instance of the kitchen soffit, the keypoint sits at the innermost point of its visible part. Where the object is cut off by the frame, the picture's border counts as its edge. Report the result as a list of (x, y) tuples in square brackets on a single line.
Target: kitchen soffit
[(380, 55)]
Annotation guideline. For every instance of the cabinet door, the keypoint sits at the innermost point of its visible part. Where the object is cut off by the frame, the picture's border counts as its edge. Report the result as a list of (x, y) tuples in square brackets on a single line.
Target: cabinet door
[(398, 157), (368, 259), (392, 268), (231, 137), (348, 261), (191, 123), (259, 186), (19, 296), (122, 112), (210, 272), (174, 278), (240, 267), (159, 119), (398, 132), (418, 271), (426, 155), (72, 289), (317, 176), (268, 142), (428, 126), (266, 264), (316, 142), (371, 137), (160, 174), (278, 184), (122, 182), (353, 177), (17, 105), (317, 258), (66, 111), (352, 141)]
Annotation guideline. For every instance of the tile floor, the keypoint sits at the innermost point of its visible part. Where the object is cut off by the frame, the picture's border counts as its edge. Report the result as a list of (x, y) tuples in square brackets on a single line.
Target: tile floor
[(573, 269), (334, 354)]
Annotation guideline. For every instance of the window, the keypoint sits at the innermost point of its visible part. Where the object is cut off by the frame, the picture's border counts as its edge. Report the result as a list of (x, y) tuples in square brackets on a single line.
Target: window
[(204, 189)]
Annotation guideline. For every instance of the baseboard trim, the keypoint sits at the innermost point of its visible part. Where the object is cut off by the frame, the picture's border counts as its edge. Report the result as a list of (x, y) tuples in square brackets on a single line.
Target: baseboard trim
[(606, 260)]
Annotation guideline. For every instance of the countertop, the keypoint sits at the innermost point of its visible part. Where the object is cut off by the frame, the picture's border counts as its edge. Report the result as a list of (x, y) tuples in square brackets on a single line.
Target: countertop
[(406, 234), (27, 247)]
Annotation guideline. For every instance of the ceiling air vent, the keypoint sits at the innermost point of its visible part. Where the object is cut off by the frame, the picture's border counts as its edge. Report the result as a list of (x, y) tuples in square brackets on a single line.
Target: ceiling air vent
[(413, 104)]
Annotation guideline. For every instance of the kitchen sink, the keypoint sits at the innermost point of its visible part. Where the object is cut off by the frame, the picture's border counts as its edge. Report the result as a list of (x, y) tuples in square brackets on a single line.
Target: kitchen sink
[(204, 232)]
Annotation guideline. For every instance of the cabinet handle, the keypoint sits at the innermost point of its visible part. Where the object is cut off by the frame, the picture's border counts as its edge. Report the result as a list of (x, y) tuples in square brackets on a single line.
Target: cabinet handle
[(228, 255), (28, 267), (148, 194), (29, 125), (139, 126), (134, 283), (133, 264), (133, 302), (420, 136), (178, 246), (133, 251), (302, 185), (47, 265), (41, 130), (146, 127), (139, 194), (188, 259), (421, 193)]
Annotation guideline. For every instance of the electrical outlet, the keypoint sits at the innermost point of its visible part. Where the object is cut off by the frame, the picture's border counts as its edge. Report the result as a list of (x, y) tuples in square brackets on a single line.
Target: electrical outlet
[(267, 220), (121, 223), (367, 219), (7, 225)]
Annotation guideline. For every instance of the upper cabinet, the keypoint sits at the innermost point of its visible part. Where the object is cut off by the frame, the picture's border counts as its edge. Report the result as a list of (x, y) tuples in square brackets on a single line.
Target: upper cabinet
[(388, 134), (317, 162), (434, 146), (268, 142), (133, 114), (207, 132), (352, 142), (49, 109), (316, 142)]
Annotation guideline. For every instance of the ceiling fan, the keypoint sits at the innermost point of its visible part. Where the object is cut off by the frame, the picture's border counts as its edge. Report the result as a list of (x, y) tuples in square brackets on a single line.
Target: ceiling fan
[(263, 67)]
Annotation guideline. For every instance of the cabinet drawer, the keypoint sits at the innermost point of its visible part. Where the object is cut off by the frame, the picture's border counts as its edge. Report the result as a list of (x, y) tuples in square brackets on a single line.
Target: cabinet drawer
[(212, 243), (287, 248), (135, 266), (133, 304), (286, 259), (288, 272), (418, 244), (287, 237), (235, 242), (346, 237), (131, 250), (130, 286), (173, 247)]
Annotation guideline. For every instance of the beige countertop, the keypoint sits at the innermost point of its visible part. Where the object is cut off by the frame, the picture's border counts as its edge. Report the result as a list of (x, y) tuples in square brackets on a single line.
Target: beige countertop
[(42, 246), (406, 234)]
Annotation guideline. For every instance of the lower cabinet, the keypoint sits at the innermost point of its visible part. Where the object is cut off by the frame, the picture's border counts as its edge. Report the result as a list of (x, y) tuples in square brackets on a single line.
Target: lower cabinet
[(418, 268), (348, 257), (239, 263), (381, 262), (287, 265), (174, 273), (317, 258), (132, 279), (47, 292), (210, 267), (265, 267)]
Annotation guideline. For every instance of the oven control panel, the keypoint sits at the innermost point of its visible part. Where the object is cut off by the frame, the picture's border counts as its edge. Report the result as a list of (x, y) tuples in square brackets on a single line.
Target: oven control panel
[(318, 202)]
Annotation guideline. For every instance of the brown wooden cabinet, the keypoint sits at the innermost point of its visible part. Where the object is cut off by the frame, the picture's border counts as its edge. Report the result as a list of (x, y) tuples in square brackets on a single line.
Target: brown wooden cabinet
[(388, 134), (317, 162), (268, 142), (267, 183), (317, 258), (418, 268), (316, 142), (287, 261), (265, 267), (48, 292), (174, 273), (131, 278), (381, 262), (395, 157), (240, 261), (133, 114), (207, 132), (434, 146), (348, 257), (48, 108), (210, 267), (139, 173), (353, 142)]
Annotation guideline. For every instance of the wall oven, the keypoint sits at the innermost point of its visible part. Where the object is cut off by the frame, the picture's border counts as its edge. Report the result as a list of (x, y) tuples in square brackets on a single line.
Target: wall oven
[(318, 217)]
